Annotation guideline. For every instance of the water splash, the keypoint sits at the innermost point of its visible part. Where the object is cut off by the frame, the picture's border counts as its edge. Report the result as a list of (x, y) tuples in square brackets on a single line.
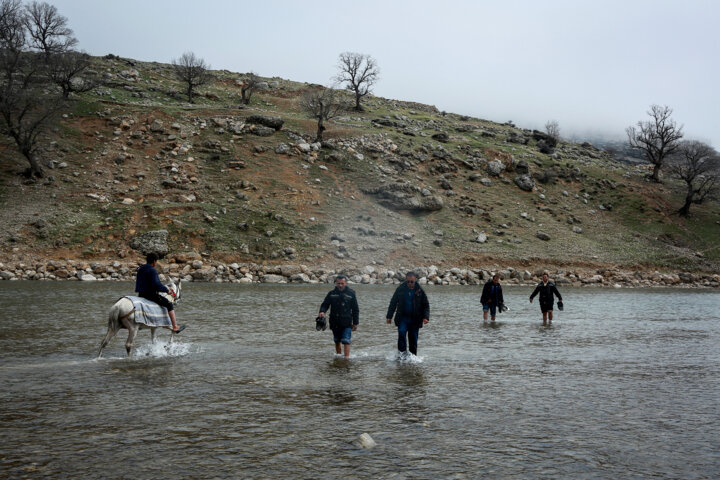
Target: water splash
[(163, 350), (404, 357)]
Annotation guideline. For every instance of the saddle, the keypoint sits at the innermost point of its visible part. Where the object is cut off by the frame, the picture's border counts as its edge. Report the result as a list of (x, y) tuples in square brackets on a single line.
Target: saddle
[(150, 313)]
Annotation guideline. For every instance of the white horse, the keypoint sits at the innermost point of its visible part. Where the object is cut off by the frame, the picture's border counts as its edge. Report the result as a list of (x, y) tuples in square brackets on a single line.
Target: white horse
[(123, 314)]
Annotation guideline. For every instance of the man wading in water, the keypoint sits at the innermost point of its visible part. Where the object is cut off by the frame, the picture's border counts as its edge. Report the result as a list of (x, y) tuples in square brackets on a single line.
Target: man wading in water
[(547, 289), (411, 308), (492, 298), (344, 314)]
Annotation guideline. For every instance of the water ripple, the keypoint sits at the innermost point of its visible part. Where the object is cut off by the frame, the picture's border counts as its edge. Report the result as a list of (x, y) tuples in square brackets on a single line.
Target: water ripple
[(624, 385)]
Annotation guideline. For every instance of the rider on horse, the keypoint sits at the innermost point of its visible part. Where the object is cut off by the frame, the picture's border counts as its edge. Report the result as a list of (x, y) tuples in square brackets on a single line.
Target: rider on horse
[(148, 285)]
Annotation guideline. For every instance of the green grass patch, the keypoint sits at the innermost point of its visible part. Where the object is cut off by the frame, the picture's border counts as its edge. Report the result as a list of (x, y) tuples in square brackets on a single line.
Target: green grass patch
[(85, 108)]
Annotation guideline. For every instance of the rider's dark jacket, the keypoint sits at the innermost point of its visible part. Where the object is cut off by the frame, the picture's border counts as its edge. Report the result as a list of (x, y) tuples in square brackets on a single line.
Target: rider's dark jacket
[(148, 281), (420, 304), (344, 310), (546, 294), (488, 296)]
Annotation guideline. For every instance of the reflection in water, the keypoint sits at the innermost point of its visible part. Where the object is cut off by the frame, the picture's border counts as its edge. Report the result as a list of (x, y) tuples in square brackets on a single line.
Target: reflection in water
[(619, 386), (408, 375)]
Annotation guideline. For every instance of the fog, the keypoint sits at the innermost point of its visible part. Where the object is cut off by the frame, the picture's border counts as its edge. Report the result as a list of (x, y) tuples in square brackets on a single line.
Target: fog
[(595, 67)]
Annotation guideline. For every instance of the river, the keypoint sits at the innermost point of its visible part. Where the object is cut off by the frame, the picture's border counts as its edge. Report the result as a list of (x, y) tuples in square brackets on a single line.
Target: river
[(625, 384)]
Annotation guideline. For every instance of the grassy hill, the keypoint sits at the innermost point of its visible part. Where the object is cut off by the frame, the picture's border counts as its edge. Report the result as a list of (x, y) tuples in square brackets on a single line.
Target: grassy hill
[(132, 156)]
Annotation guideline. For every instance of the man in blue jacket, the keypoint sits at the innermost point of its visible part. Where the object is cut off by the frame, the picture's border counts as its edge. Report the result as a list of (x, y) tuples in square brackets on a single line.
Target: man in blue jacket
[(344, 314), (492, 298), (411, 308), (148, 284)]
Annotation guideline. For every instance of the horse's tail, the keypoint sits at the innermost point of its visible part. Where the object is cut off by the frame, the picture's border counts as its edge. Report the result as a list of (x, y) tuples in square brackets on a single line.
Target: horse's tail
[(113, 326)]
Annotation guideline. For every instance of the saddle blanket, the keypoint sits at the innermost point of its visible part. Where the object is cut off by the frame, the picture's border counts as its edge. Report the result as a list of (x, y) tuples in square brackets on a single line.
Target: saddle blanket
[(150, 313)]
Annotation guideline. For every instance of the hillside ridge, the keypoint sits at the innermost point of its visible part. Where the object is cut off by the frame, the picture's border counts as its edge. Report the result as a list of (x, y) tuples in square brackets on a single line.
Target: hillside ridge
[(400, 184)]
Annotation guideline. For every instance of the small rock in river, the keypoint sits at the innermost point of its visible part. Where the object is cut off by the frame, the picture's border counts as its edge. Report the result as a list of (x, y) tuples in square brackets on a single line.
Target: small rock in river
[(366, 441)]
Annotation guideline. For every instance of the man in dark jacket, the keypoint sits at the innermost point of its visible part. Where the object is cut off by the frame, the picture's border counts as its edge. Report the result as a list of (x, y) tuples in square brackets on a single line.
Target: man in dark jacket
[(547, 289), (148, 284), (344, 314), (492, 298), (411, 308)]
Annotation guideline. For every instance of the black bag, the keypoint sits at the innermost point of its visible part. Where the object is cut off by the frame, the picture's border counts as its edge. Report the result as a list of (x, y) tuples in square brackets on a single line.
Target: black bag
[(560, 306), (320, 324)]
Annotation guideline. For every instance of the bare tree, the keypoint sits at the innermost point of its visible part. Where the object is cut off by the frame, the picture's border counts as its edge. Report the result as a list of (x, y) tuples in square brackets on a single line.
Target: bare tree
[(358, 72), (12, 31), (249, 86), (698, 165), (25, 108), (322, 105), (69, 72), (657, 138), (48, 30), (552, 128), (192, 71)]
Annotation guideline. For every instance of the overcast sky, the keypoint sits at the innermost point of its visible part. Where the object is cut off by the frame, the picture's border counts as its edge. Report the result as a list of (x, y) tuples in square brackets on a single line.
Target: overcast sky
[(594, 66)]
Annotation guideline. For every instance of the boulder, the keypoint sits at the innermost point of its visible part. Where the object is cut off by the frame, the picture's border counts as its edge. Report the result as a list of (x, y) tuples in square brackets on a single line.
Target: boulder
[(275, 123), (290, 270), (405, 196), (283, 148), (300, 278), (495, 167), (544, 147), (441, 137), (6, 275), (524, 182), (154, 241), (543, 236), (157, 126), (522, 167), (271, 278), (261, 130), (204, 274)]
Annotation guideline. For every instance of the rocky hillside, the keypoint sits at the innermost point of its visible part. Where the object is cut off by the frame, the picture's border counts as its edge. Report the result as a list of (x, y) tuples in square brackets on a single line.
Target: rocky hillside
[(400, 184)]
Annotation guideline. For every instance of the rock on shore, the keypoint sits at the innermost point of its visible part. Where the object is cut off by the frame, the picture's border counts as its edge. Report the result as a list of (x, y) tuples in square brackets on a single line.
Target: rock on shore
[(196, 270)]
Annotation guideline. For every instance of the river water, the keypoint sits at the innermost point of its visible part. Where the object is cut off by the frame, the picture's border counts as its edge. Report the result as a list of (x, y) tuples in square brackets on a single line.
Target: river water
[(625, 384)]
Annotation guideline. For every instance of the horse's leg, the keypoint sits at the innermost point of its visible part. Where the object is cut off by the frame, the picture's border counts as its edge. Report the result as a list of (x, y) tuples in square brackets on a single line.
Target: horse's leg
[(113, 326), (108, 336), (132, 331), (132, 328), (153, 334)]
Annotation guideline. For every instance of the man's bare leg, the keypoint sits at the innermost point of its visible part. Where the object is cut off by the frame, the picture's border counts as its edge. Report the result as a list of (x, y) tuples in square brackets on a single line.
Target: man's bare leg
[(545, 314), (485, 315), (172, 319), (346, 349), (550, 317), (338, 349)]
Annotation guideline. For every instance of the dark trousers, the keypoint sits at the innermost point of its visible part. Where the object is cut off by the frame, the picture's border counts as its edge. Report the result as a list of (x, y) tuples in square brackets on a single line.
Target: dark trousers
[(154, 297), (409, 330)]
